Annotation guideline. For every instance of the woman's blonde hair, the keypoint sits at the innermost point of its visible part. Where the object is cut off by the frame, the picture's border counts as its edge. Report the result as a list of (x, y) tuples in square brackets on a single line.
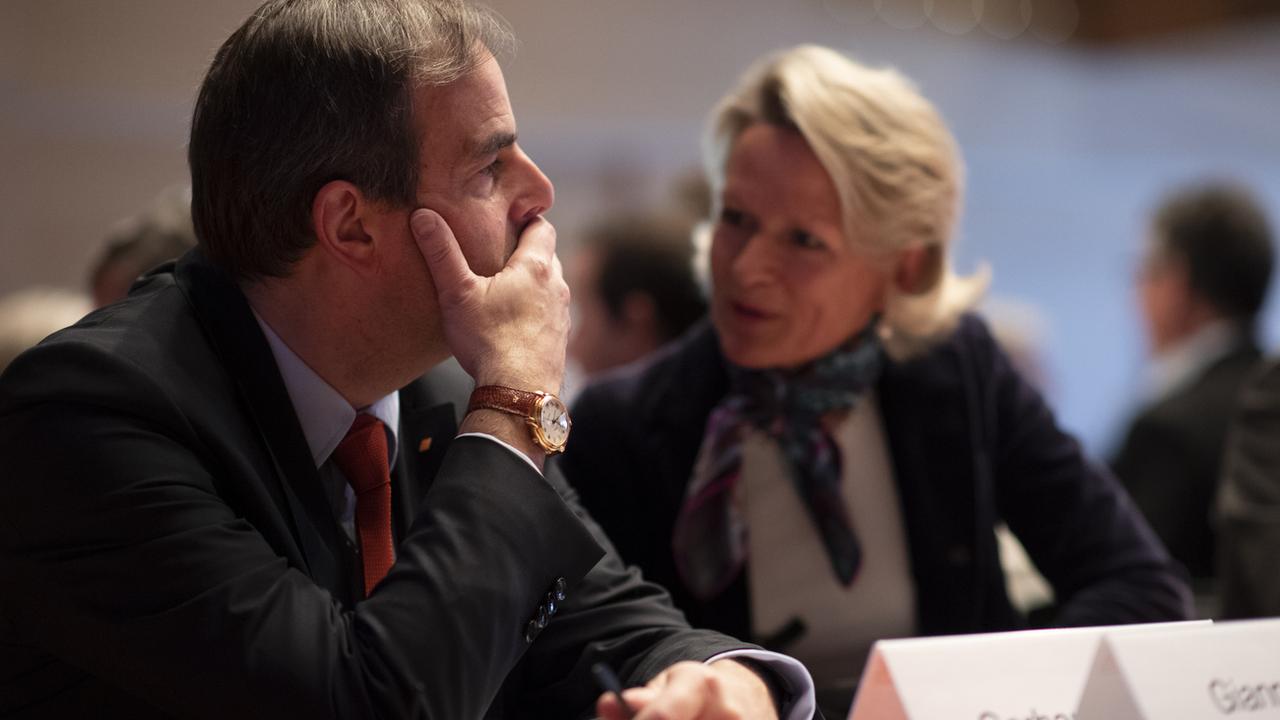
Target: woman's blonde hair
[(891, 158)]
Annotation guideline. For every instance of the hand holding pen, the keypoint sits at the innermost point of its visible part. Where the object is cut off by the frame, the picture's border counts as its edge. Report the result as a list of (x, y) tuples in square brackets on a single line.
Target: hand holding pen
[(720, 690)]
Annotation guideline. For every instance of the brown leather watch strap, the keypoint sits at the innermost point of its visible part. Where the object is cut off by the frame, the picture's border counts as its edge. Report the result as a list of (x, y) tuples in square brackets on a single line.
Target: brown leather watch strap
[(505, 399)]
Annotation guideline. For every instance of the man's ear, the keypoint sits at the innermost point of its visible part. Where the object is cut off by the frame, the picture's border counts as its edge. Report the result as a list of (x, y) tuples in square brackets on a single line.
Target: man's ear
[(919, 269), (339, 218)]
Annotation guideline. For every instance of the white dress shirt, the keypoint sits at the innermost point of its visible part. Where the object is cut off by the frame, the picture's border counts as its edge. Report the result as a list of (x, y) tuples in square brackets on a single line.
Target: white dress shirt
[(790, 574)]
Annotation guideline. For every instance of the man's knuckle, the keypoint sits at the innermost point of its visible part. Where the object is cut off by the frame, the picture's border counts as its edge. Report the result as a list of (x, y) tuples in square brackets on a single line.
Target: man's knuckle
[(712, 684), (539, 268)]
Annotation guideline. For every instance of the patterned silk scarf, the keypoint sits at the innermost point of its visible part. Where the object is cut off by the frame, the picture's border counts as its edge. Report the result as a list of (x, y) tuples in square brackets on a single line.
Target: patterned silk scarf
[(710, 538)]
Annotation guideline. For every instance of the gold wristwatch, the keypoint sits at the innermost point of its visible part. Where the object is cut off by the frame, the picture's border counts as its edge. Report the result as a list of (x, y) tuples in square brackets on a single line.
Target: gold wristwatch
[(546, 415)]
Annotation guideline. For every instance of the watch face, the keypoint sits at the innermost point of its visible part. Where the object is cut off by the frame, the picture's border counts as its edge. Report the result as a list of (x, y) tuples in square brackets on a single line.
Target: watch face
[(555, 421)]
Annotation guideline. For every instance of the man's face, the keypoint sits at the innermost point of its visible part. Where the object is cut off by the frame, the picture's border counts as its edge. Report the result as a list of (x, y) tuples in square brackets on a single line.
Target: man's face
[(598, 340), (1164, 297), (471, 172)]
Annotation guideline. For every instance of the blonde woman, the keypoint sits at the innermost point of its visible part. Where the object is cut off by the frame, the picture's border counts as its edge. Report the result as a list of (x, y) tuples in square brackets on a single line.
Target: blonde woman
[(824, 463)]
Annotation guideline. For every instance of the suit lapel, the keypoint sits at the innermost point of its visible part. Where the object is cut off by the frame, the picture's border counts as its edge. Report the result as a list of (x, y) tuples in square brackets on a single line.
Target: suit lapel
[(235, 336), (425, 434), (675, 412), (430, 410)]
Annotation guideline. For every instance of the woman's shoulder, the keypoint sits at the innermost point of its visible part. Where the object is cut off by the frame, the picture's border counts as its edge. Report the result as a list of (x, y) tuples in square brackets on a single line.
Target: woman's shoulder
[(970, 344)]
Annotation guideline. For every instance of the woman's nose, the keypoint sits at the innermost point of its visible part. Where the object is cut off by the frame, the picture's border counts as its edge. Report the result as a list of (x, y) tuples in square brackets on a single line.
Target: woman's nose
[(754, 260)]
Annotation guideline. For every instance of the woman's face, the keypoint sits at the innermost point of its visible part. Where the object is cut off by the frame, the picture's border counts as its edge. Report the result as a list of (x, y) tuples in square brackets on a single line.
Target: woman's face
[(787, 286)]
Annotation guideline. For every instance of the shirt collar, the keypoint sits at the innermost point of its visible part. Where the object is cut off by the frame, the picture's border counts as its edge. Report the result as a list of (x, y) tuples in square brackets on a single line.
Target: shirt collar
[(1185, 361), (324, 414)]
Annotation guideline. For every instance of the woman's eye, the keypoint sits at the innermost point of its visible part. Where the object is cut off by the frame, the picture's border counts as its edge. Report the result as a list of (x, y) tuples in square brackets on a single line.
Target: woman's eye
[(806, 240)]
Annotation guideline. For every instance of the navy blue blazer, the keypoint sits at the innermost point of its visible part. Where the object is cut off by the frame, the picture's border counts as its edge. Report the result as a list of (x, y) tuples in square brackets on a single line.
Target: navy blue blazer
[(971, 444)]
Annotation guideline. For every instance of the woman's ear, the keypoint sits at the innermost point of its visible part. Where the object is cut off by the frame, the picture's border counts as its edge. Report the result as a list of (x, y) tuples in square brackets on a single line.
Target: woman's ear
[(919, 269)]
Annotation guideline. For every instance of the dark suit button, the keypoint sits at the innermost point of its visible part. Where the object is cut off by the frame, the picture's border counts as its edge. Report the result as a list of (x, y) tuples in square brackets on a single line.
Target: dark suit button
[(550, 605), (531, 631), (543, 617), (559, 589)]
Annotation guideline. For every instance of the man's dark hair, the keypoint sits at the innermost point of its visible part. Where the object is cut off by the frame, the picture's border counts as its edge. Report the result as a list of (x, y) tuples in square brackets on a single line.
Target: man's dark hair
[(310, 91), (653, 257), (1223, 235)]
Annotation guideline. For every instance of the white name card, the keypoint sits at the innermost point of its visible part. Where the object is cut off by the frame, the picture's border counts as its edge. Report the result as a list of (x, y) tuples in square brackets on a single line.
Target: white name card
[(1227, 670), (1027, 675)]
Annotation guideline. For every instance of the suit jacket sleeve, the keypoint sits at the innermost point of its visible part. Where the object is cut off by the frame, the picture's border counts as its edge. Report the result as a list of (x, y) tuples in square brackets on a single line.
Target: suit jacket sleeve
[(1249, 503), (1076, 522), (121, 554), (617, 617)]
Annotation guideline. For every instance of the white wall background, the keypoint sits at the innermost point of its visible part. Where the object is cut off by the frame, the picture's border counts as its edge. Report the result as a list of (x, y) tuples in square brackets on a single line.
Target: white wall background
[(1067, 148)]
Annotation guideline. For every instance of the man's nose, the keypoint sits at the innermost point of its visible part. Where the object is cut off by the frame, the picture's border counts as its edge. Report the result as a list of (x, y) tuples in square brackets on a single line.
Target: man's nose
[(537, 194)]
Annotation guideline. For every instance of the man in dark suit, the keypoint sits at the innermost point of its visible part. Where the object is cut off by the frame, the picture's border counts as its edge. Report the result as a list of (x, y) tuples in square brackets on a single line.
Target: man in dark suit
[(1204, 279), (228, 496), (1248, 511)]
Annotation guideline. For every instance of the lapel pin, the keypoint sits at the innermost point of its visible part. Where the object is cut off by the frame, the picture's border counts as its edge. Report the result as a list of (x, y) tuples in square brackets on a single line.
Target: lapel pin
[(425, 445)]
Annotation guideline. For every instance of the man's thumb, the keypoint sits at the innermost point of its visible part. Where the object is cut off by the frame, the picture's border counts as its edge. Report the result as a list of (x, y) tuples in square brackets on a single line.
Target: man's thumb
[(439, 248)]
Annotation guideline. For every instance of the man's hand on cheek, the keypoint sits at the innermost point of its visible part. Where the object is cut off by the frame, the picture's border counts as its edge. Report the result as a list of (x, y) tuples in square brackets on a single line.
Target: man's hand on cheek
[(722, 690), (509, 329)]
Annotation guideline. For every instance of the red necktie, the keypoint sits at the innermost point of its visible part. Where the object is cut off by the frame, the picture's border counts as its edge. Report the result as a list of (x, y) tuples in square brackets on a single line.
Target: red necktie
[(362, 457)]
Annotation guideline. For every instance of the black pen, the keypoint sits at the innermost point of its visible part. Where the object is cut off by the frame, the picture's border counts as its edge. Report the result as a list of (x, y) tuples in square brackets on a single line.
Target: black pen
[(608, 682)]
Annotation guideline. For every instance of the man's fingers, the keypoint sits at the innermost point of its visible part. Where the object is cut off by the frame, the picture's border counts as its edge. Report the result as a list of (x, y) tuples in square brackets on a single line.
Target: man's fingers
[(608, 707), (688, 691), (537, 243), (435, 240), (556, 267)]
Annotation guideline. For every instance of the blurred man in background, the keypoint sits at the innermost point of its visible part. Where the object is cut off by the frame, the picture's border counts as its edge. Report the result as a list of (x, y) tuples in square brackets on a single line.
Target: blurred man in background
[(633, 289), (1203, 281), (1248, 512), (159, 233)]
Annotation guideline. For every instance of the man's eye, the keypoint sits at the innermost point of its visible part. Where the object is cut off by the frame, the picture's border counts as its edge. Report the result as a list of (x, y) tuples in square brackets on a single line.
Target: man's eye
[(492, 168)]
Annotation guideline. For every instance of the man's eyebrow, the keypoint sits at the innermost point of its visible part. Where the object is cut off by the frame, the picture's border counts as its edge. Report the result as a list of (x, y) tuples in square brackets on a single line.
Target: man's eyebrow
[(493, 144)]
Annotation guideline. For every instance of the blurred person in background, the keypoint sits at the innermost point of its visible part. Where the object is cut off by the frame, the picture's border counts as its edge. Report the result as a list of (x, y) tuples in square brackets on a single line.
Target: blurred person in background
[(1248, 503), (823, 464), (160, 233), (1202, 283), (633, 290), (32, 314)]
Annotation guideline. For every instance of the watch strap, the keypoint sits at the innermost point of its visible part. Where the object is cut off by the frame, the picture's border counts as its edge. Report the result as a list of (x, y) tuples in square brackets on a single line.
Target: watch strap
[(504, 399)]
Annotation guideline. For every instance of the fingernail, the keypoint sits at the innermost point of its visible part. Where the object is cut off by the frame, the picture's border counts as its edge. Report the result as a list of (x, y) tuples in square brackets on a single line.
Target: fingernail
[(423, 222)]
